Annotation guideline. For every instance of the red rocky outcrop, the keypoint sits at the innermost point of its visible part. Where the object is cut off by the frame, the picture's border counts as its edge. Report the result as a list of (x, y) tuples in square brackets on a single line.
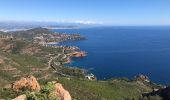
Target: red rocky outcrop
[(29, 82)]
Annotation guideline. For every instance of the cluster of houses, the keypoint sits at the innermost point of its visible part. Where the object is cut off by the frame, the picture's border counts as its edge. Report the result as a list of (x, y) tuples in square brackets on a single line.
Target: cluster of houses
[(45, 38)]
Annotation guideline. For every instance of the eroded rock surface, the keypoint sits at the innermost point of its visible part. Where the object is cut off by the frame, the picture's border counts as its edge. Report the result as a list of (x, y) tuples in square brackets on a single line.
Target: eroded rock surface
[(29, 82), (21, 97), (142, 78), (61, 92)]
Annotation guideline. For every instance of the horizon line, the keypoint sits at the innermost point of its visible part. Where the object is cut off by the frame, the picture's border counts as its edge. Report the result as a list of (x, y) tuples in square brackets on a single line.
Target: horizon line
[(85, 22)]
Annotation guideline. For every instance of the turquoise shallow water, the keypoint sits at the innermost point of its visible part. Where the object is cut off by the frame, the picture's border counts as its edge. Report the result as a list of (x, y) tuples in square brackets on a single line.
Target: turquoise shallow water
[(125, 51)]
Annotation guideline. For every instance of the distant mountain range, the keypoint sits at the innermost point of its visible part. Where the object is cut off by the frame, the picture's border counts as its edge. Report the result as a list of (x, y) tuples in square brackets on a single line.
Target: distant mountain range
[(16, 25)]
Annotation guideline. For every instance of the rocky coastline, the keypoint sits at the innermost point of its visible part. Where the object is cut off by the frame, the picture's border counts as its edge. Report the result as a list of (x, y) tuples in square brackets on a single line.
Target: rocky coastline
[(47, 63)]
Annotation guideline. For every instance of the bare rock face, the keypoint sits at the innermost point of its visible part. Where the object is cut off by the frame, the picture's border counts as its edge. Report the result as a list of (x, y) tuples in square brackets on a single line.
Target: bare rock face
[(142, 78), (78, 54), (62, 94), (21, 97), (29, 82), (1, 61)]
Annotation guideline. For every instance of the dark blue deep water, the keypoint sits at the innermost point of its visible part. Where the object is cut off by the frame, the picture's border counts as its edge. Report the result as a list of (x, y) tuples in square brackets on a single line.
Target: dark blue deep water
[(125, 51)]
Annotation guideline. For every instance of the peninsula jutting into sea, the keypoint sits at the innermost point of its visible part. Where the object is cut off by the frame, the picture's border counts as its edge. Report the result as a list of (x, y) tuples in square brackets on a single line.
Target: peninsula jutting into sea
[(47, 55)]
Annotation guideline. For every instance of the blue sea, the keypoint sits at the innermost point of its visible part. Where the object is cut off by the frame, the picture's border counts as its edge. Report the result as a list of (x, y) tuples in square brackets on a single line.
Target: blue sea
[(125, 51)]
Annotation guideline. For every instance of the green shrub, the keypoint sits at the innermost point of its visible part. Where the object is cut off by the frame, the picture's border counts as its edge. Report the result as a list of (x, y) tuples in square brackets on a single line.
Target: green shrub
[(52, 96), (35, 96), (9, 94), (48, 88)]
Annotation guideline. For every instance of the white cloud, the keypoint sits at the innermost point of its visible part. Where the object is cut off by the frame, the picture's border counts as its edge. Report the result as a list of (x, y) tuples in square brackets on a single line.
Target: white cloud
[(73, 21), (87, 22)]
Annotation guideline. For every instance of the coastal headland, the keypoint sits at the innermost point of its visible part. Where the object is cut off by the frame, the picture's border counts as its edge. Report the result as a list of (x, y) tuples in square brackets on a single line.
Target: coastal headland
[(34, 52)]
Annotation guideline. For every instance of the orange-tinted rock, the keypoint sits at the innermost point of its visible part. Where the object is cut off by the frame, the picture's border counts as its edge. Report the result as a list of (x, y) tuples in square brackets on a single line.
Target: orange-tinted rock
[(62, 94), (1, 61), (68, 60), (78, 54), (21, 97), (28, 83)]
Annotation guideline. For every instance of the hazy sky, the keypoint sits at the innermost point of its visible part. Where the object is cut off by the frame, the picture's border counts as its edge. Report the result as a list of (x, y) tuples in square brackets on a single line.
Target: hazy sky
[(115, 12)]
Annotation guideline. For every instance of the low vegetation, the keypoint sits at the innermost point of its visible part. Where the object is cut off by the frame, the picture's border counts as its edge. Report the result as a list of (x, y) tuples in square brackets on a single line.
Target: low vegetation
[(19, 58)]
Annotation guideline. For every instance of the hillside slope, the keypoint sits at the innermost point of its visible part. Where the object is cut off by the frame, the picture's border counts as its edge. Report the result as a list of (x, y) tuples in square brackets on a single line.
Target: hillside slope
[(20, 58)]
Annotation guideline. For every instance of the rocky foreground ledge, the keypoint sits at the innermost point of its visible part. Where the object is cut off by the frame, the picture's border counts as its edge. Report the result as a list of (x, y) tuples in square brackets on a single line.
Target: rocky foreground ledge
[(52, 91), (140, 88)]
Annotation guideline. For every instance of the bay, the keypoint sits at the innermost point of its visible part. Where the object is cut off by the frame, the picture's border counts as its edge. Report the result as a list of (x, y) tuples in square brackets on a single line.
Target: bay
[(124, 51)]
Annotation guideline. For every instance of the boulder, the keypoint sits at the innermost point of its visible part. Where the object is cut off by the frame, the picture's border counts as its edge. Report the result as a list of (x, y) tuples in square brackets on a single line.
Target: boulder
[(29, 82), (21, 97), (61, 93)]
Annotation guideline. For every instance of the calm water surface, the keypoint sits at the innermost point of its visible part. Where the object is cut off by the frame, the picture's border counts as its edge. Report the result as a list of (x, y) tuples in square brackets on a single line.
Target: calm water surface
[(125, 52)]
